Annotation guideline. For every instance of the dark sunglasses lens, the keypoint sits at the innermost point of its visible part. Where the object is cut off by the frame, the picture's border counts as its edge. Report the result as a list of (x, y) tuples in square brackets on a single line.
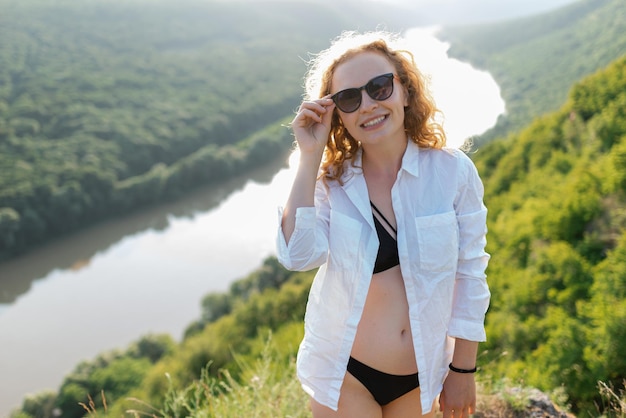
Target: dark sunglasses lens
[(349, 100), (380, 88)]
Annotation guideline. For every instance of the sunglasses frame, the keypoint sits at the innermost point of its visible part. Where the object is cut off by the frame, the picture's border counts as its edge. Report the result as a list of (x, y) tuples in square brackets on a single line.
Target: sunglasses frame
[(367, 86)]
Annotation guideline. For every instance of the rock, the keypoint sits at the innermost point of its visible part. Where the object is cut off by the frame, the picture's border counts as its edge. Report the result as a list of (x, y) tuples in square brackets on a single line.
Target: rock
[(518, 403), (540, 406)]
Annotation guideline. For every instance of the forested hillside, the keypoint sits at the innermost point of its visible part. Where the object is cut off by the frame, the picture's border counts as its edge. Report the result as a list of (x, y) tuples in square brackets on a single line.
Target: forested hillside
[(535, 60), (556, 194), (106, 106)]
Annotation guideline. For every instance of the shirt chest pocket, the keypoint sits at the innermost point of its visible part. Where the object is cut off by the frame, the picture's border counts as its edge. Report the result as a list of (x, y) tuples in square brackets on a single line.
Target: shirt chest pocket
[(344, 236), (438, 241)]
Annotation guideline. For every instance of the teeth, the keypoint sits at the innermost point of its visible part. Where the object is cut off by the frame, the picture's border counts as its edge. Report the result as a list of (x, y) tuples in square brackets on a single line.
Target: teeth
[(374, 121)]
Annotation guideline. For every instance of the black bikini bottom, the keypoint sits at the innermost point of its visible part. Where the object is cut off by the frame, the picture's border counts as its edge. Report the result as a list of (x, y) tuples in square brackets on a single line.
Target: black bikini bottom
[(384, 387)]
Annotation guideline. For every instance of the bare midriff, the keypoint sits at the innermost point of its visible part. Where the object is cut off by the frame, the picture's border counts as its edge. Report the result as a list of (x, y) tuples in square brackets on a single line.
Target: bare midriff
[(384, 340)]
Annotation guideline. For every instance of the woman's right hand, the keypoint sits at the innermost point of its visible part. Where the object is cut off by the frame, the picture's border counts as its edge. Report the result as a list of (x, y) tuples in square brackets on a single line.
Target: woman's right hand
[(311, 125)]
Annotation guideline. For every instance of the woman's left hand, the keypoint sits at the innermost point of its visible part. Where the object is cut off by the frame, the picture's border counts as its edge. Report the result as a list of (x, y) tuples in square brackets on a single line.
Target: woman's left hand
[(458, 397)]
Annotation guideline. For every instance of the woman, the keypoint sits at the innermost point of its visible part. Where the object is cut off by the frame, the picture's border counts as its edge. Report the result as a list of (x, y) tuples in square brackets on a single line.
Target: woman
[(396, 223)]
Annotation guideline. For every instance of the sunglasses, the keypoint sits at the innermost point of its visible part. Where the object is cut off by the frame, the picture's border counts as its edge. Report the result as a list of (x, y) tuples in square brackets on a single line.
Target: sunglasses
[(378, 88)]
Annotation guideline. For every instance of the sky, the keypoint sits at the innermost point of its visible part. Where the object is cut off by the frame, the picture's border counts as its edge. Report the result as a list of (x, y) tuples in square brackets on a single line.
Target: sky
[(476, 11)]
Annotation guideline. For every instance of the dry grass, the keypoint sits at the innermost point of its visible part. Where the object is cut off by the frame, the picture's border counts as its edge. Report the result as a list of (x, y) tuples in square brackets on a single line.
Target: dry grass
[(615, 401), (90, 407)]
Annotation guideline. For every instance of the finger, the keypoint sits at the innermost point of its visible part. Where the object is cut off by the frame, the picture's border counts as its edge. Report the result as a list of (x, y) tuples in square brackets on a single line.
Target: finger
[(456, 412), (313, 112), (317, 105), (466, 413), (306, 118), (328, 112)]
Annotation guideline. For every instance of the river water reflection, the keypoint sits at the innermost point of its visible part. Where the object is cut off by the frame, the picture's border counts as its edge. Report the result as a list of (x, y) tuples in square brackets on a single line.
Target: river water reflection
[(106, 286)]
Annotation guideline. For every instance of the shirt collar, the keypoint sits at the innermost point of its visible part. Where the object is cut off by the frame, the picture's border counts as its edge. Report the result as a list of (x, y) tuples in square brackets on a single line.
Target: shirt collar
[(410, 162), (410, 159)]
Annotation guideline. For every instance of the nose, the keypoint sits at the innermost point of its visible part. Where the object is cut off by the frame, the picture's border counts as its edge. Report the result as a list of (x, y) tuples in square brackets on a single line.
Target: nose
[(367, 103)]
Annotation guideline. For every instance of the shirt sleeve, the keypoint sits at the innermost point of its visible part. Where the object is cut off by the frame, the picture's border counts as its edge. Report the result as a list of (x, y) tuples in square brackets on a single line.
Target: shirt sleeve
[(308, 245), (471, 292)]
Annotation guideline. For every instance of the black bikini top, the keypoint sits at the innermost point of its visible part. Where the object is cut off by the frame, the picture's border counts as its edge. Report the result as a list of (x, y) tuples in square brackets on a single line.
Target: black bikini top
[(387, 256)]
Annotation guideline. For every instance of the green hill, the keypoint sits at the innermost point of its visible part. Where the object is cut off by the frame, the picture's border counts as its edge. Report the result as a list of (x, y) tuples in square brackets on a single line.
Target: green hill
[(106, 106), (557, 233), (556, 194), (535, 60)]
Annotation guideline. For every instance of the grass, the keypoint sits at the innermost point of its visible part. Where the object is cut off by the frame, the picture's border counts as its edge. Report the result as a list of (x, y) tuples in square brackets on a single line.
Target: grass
[(614, 401), (90, 406), (268, 388)]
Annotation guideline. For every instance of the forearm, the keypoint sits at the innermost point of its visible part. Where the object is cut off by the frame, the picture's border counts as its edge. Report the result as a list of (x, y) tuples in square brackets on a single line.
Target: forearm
[(458, 397), (302, 191), (465, 353)]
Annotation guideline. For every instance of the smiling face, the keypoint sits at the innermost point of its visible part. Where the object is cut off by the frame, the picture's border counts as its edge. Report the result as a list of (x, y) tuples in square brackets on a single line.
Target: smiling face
[(374, 122)]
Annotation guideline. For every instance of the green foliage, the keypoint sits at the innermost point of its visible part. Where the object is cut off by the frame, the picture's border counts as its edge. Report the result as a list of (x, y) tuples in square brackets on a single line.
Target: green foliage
[(39, 405), (119, 376), (9, 224), (114, 373), (606, 310), (591, 98), (557, 233), (152, 347)]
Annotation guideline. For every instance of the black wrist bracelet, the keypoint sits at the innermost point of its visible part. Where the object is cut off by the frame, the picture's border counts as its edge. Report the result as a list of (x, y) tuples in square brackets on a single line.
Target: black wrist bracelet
[(454, 369)]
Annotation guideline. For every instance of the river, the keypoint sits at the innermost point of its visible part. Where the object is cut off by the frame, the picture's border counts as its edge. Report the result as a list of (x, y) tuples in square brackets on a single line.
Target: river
[(106, 286)]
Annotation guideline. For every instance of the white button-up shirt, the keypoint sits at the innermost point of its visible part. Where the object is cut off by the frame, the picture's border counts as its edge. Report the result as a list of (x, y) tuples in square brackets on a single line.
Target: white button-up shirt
[(437, 200)]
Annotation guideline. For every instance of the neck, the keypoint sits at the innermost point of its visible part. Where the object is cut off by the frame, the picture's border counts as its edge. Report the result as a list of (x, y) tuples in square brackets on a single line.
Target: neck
[(384, 159)]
